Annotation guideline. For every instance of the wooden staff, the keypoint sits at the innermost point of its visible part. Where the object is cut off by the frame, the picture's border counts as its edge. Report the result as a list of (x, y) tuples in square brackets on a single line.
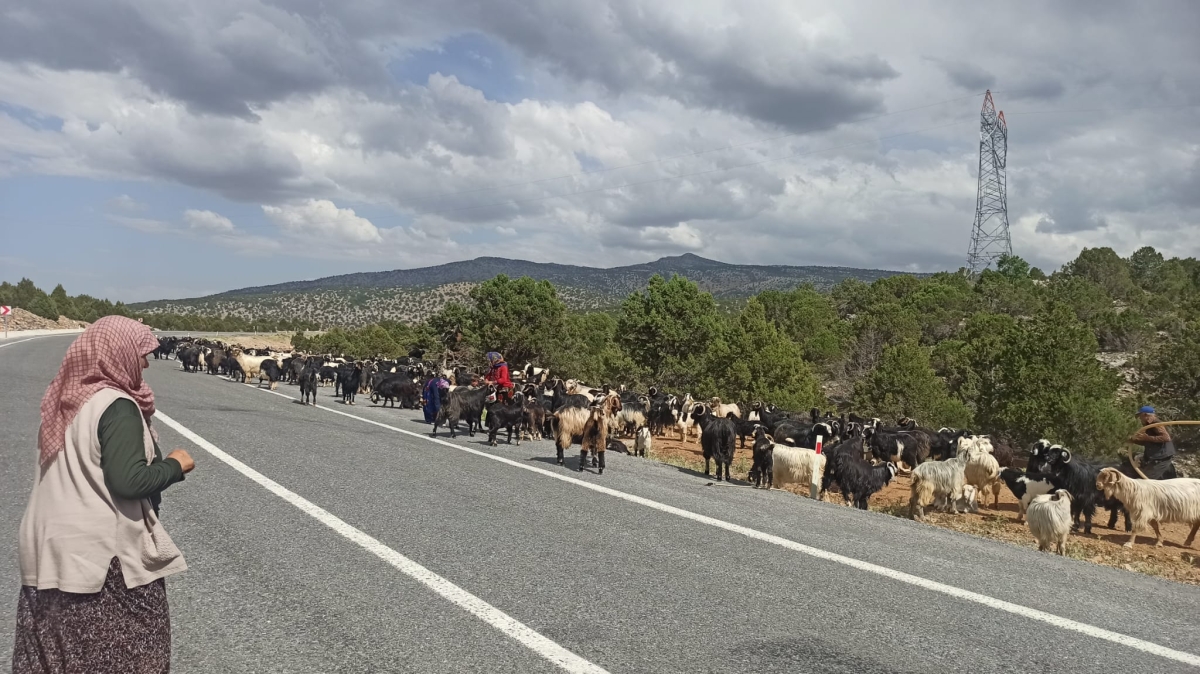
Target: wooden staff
[(1159, 424)]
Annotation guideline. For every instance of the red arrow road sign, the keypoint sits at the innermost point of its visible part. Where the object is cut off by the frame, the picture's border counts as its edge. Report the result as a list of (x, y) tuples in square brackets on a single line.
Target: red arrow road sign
[(4, 311)]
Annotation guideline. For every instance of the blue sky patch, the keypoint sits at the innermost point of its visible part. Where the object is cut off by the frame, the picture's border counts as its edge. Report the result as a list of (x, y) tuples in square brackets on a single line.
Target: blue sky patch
[(475, 60)]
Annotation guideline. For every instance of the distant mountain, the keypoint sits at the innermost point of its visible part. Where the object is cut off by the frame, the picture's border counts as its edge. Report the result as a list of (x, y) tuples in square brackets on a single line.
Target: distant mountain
[(413, 294)]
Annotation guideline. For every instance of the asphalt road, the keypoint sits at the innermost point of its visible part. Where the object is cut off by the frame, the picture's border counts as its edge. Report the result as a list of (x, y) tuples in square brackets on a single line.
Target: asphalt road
[(320, 542)]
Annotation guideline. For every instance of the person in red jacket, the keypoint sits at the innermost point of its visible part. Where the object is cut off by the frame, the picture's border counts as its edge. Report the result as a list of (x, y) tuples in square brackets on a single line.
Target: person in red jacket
[(498, 375)]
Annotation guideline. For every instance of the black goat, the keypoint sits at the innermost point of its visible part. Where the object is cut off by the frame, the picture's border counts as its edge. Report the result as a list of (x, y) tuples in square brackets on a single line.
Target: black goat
[(393, 388), (508, 416), (270, 371), (234, 369), (464, 404), (861, 481), (792, 432), (350, 379), (716, 440), (764, 458), (308, 385), (848, 450), (910, 448), (1079, 478), (743, 428)]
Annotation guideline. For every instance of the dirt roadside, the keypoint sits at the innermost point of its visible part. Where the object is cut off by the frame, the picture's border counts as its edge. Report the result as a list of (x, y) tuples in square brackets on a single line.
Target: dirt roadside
[(1103, 546)]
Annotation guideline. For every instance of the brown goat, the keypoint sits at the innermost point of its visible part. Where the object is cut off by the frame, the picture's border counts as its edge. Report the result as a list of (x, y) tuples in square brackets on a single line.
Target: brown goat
[(595, 431)]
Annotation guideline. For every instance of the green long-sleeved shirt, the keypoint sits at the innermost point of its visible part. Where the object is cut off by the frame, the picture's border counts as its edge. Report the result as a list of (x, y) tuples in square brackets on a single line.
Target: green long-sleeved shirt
[(123, 456)]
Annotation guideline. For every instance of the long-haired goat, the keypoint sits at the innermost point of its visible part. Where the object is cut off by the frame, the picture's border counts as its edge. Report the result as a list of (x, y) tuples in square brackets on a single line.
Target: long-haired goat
[(967, 503), (464, 404), (1050, 520), (796, 465), (641, 441), (1154, 502), (982, 470), (574, 422), (632, 416), (936, 479), (594, 438)]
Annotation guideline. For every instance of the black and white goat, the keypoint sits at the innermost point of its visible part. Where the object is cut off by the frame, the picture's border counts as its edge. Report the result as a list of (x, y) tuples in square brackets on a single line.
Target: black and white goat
[(1026, 486)]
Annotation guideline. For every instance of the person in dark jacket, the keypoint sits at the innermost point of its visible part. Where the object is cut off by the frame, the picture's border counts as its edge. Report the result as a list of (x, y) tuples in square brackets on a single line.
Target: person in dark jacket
[(1156, 457)]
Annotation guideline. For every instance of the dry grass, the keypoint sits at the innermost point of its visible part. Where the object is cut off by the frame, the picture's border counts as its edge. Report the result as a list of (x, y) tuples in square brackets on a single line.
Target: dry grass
[(1103, 546)]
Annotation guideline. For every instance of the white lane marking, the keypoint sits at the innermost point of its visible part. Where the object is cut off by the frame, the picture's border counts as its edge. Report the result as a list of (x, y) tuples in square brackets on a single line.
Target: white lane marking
[(477, 607), (22, 341), (932, 585)]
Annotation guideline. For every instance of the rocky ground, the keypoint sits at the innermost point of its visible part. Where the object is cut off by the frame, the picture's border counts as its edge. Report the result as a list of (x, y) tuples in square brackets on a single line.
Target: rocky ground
[(23, 320)]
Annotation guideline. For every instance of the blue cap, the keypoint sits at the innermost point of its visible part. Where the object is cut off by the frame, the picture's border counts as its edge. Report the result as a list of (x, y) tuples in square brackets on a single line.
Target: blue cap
[(1146, 409)]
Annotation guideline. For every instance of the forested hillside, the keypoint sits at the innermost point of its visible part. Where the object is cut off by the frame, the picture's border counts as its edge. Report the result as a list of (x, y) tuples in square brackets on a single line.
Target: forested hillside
[(413, 295), (1016, 353)]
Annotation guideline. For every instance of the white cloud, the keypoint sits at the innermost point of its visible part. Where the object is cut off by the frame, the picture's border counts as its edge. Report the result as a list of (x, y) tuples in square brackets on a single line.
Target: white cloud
[(307, 118), (207, 221), (126, 204), (681, 237), (320, 219)]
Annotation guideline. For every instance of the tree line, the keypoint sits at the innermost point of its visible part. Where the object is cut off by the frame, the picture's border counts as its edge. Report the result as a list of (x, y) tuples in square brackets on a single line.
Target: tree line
[(26, 295), (1012, 352)]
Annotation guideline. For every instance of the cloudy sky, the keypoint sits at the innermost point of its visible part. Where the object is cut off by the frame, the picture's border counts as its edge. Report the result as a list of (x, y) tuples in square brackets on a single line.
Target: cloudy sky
[(158, 148)]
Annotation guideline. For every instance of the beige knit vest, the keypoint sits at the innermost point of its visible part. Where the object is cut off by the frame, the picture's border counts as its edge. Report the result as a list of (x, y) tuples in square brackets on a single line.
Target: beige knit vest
[(73, 526)]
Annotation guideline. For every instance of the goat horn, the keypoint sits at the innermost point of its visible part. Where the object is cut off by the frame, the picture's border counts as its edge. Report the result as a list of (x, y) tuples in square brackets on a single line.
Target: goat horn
[(1066, 456)]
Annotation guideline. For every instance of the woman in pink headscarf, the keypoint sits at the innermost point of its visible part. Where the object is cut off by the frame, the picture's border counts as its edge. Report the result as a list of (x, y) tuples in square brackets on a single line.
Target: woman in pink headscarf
[(93, 553)]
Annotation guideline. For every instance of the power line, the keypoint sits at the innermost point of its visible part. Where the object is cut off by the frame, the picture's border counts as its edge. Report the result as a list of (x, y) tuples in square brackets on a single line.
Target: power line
[(514, 202), (1083, 110), (689, 154)]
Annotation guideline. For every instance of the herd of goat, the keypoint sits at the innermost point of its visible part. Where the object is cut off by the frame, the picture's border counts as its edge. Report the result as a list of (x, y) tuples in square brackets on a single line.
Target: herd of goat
[(950, 470)]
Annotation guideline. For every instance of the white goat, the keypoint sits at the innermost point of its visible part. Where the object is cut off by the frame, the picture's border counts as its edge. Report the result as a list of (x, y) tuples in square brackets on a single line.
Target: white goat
[(796, 465), (967, 503), (685, 424), (1154, 502), (982, 470), (641, 442), (937, 479), (1049, 519), (251, 365)]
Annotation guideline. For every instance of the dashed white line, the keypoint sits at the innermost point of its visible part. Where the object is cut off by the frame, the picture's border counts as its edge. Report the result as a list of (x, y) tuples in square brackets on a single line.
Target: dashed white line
[(932, 585), (477, 607)]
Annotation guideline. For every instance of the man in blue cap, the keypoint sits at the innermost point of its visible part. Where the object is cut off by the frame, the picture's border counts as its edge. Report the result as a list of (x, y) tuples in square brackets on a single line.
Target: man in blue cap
[(1156, 458)]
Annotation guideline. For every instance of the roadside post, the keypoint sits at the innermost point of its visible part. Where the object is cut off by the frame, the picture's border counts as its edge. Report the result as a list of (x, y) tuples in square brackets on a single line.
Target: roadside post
[(5, 311), (814, 486)]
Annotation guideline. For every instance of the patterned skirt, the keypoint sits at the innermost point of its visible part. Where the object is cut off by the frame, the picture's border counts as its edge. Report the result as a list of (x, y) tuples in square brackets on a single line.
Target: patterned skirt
[(118, 630)]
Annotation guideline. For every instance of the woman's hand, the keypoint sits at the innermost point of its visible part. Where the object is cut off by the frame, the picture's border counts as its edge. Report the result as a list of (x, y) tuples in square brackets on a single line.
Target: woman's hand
[(184, 459)]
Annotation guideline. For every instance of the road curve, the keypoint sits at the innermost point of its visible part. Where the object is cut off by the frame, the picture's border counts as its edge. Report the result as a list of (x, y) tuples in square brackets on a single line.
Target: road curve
[(318, 541)]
